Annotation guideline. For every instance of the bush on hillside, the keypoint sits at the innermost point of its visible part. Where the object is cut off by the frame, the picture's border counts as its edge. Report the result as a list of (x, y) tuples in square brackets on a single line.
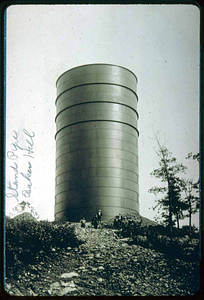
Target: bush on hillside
[(108, 224), (182, 247), (141, 240), (193, 232), (157, 237), (28, 240), (132, 226), (155, 230)]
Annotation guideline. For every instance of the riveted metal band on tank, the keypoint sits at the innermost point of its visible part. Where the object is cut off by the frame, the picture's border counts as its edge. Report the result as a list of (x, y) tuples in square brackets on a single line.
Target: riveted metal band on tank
[(96, 142)]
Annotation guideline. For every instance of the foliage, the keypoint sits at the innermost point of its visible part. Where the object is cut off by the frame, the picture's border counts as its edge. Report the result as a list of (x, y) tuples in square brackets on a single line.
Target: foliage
[(191, 199), (191, 231), (171, 203), (132, 225), (193, 156), (109, 224), (151, 235), (142, 241), (180, 245), (28, 240), (24, 206), (191, 192)]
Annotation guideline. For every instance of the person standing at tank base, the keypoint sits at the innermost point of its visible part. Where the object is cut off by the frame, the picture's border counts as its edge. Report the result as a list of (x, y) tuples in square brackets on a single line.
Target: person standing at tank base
[(94, 222), (83, 222), (99, 216)]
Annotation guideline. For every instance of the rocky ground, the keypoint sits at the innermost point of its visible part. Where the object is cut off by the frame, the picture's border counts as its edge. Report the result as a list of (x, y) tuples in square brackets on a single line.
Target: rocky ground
[(105, 265)]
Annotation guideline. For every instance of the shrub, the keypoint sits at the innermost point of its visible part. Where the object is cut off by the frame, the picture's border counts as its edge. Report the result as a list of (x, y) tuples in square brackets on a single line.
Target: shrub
[(141, 241), (179, 245), (161, 243), (28, 240), (109, 224), (190, 249), (132, 226), (157, 230), (194, 233)]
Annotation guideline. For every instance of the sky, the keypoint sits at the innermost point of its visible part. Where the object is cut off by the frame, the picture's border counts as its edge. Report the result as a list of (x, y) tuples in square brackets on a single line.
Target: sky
[(159, 43)]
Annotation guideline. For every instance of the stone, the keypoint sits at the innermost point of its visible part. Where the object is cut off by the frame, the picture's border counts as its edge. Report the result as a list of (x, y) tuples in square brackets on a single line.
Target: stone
[(55, 285), (101, 268), (66, 290), (100, 280), (7, 286), (125, 239), (17, 292), (31, 293), (69, 275), (70, 284), (94, 269), (11, 293)]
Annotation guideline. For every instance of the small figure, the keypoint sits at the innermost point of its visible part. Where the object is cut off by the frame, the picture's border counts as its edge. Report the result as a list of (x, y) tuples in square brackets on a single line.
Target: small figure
[(83, 222), (116, 222), (120, 219), (99, 215), (94, 222)]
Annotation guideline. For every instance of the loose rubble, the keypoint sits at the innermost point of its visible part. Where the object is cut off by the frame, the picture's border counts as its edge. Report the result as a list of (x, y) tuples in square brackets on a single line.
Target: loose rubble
[(105, 265)]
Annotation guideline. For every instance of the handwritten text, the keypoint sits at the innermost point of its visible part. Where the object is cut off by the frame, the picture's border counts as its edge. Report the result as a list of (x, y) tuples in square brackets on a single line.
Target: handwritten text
[(18, 151)]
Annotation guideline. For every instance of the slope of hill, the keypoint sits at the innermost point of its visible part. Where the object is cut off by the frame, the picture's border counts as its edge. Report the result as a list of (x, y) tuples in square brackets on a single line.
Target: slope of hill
[(103, 264)]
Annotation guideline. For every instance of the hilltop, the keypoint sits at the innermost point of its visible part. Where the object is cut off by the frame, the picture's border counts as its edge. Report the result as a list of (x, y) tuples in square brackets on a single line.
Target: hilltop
[(98, 262)]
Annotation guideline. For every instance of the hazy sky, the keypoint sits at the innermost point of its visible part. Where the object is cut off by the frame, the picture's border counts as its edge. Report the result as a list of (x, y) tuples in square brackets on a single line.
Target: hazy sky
[(159, 43)]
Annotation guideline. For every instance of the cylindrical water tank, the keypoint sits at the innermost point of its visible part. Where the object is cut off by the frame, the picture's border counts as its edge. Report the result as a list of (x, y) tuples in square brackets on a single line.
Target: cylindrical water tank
[(96, 142)]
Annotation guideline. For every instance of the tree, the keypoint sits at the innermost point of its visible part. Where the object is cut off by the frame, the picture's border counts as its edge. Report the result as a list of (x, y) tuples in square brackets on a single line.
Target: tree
[(24, 206), (191, 190), (171, 204), (191, 199), (179, 206), (193, 156)]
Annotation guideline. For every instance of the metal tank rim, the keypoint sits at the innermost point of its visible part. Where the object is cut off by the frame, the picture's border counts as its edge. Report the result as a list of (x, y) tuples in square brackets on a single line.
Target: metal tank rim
[(95, 64)]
